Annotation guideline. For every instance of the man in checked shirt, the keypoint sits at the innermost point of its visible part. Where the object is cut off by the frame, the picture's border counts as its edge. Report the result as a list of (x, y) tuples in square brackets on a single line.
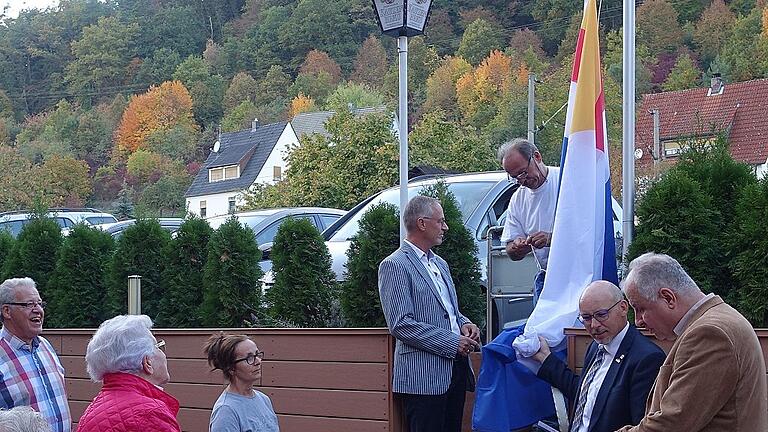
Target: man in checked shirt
[(30, 372)]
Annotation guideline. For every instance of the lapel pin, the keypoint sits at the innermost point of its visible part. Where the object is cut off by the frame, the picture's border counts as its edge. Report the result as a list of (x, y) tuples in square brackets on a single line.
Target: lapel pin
[(618, 360)]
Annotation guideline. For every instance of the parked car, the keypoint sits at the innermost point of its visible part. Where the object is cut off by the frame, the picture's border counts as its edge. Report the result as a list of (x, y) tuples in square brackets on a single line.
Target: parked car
[(482, 199), (116, 229), (265, 223), (65, 217)]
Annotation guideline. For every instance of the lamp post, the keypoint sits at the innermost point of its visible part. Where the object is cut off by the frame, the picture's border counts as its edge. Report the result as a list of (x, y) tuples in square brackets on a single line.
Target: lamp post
[(402, 19)]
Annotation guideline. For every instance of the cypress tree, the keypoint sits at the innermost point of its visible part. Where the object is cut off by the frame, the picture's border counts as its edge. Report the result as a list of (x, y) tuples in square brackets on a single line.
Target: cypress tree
[(304, 282), (750, 265), (376, 239), (460, 252), (6, 246), (232, 290), (139, 251), (34, 253), (79, 283), (185, 258)]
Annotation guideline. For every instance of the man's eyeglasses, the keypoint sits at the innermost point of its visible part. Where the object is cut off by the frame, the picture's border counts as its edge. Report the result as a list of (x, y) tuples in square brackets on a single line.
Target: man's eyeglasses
[(160, 345), (441, 221), (251, 358), (600, 315), (523, 174), (29, 305)]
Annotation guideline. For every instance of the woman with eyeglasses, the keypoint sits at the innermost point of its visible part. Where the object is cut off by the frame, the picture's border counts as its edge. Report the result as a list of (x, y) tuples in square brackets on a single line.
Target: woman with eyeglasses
[(130, 362), (240, 408)]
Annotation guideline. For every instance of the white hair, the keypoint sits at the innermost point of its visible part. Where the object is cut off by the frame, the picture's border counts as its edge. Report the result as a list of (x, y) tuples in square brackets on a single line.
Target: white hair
[(22, 419), (418, 207), (8, 289), (120, 345), (651, 272)]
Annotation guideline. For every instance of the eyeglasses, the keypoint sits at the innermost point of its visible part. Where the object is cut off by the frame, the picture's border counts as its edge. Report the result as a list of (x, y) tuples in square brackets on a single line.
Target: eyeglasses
[(29, 305), (523, 174), (251, 358), (600, 315), (441, 221), (160, 345)]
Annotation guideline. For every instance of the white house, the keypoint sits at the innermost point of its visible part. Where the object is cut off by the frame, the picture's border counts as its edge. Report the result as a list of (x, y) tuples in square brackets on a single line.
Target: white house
[(238, 161)]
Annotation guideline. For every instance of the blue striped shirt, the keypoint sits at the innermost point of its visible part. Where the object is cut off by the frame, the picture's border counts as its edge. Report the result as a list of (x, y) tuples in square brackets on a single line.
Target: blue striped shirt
[(32, 375)]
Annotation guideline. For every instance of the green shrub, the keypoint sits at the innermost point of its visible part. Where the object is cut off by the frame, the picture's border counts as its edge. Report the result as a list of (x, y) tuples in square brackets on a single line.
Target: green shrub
[(304, 283), (677, 218), (6, 246), (34, 253), (78, 285), (232, 291), (750, 265), (182, 278), (460, 252), (139, 251), (376, 239)]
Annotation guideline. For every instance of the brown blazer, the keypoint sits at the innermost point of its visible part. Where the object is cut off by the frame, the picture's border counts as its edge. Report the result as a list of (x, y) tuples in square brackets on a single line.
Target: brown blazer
[(713, 380)]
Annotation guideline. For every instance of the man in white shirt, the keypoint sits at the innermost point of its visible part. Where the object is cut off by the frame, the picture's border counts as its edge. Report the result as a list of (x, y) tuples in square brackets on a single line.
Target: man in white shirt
[(531, 211), (619, 368), (431, 370)]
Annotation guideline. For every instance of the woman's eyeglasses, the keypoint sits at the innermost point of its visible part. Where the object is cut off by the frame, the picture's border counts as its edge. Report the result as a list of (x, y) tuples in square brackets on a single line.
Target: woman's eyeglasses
[(251, 358)]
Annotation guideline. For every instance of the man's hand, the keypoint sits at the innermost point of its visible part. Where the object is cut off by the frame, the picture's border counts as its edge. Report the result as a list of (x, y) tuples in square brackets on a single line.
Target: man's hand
[(467, 345), (471, 331), (543, 351), (518, 248), (540, 239)]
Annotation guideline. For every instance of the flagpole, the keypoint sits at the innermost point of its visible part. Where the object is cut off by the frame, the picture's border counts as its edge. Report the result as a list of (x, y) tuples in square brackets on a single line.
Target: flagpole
[(628, 127)]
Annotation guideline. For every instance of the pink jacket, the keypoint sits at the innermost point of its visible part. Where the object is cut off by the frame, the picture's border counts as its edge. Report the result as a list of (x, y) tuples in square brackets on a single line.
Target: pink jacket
[(128, 403)]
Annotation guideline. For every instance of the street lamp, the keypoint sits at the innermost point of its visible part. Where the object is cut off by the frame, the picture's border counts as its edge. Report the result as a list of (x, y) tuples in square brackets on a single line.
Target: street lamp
[(402, 19)]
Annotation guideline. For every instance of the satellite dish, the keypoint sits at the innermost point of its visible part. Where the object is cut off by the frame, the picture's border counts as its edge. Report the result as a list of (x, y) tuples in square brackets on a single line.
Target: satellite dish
[(638, 153), (216, 146)]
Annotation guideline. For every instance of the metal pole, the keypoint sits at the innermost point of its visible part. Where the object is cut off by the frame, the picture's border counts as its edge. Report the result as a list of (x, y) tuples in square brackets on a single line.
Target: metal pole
[(656, 137), (402, 49), (134, 295), (531, 106), (628, 165)]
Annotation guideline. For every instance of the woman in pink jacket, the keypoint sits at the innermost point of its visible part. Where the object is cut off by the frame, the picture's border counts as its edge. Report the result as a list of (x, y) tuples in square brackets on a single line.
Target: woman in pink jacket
[(131, 363)]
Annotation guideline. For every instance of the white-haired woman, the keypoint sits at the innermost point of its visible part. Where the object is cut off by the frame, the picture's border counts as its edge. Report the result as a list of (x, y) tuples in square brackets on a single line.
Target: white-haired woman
[(131, 363), (22, 419)]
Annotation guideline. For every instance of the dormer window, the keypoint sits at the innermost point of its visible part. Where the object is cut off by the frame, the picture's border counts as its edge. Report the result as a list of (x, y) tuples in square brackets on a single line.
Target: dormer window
[(223, 173)]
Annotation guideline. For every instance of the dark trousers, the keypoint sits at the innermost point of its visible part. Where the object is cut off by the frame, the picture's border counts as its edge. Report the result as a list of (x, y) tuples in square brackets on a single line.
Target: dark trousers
[(439, 413)]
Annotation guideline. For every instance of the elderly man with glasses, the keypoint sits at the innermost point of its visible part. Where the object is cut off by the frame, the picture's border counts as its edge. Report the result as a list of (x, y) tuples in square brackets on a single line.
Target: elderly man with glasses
[(619, 368), (30, 371), (125, 356), (531, 211)]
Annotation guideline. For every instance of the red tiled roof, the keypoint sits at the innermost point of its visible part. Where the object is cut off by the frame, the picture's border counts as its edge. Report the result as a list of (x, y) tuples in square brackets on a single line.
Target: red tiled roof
[(742, 107)]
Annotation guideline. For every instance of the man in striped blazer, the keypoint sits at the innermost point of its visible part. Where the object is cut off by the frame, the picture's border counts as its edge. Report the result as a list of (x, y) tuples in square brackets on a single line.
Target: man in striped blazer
[(432, 373)]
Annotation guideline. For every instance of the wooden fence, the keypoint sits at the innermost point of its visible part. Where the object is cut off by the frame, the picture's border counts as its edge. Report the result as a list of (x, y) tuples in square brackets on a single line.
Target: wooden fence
[(318, 379)]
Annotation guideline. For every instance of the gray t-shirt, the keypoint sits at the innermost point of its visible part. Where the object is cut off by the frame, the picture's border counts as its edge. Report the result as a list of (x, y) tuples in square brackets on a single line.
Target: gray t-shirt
[(233, 412)]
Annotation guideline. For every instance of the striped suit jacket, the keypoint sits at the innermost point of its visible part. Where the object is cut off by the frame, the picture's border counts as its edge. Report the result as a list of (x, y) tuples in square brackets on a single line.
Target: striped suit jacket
[(426, 347)]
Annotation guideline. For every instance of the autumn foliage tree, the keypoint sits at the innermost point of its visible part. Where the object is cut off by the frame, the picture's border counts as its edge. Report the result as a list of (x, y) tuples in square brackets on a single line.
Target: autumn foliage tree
[(319, 61), (160, 108), (370, 63), (441, 85), (478, 92), (301, 104)]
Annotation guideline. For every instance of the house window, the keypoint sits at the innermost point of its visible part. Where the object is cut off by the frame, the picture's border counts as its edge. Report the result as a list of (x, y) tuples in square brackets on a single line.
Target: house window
[(277, 173), (203, 209), (223, 173), (232, 206)]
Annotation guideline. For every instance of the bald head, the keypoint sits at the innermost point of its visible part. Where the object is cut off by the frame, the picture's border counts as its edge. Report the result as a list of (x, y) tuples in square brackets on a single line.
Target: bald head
[(603, 311), (602, 289)]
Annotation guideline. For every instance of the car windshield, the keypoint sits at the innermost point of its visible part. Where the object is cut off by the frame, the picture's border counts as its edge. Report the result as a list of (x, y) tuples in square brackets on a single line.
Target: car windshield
[(468, 196)]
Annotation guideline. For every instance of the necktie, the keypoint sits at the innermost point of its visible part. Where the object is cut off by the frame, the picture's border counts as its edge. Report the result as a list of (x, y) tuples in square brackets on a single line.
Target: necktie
[(585, 384)]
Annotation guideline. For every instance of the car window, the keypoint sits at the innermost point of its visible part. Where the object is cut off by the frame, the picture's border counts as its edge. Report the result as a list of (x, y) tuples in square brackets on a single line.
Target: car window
[(96, 220), (14, 227), (328, 220), (63, 222), (267, 235), (468, 196)]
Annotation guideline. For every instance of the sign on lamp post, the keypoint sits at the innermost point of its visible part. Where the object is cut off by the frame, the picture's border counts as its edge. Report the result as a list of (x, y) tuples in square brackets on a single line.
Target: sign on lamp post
[(402, 19)]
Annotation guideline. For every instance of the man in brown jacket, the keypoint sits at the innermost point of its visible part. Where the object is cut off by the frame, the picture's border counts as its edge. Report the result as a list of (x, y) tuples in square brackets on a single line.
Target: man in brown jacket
[(714, 377)]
